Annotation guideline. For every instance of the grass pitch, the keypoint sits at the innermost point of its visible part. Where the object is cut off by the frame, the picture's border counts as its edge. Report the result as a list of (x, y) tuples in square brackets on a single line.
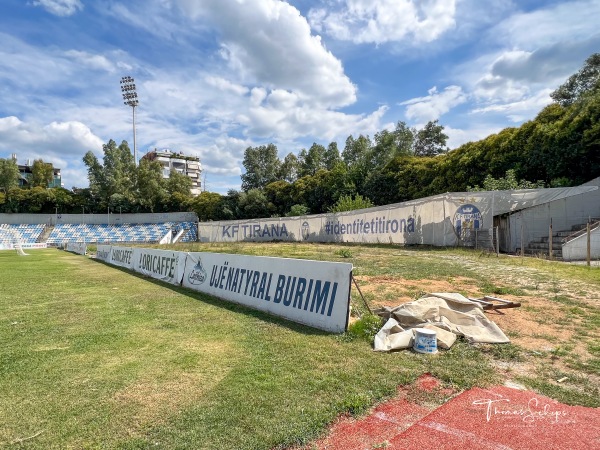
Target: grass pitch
[(92, 356)]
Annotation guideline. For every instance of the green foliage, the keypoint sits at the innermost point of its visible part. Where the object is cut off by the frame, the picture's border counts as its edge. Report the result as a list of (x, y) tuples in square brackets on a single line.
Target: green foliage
[(344, 253), (332, 156), (150, 189), (207, 206), (298, 210), (9, 174), (178, 183), (431, 140), (280, 195), (288, 170), (585, 81), (42, 173), (254, 204), (311, 161), (115, 175), (262, 166), (365, 328), (348, 203), (508, 182)]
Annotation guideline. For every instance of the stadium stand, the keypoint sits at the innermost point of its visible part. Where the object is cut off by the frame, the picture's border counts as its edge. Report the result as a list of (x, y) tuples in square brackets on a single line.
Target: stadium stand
[(122, 233), (25, 232)]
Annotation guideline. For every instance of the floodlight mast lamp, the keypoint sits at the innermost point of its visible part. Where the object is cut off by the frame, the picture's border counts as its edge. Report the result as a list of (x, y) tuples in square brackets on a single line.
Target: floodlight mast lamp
[(130, 98)]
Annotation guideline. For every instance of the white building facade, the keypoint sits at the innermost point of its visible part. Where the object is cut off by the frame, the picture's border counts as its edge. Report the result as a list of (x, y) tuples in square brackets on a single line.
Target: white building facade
[(187, 165)]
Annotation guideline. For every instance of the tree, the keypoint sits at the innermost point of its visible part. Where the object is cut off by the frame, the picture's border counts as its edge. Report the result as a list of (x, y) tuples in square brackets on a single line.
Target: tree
[(298, 210), (506, 183), (207, 206), (390, 144), (119, 203), (14, 201), (356, 150), (332, 156), (404, 138), (254, 204), (179, 183), (262, 167), (42, 174), (231, 205), (38, 199), (116, 175), (580, 83), (63, 199), (358, 156), (347, 203), (312, 161), (288, 170), (9, 174), (430, 140), (150, 188), (279, 193)]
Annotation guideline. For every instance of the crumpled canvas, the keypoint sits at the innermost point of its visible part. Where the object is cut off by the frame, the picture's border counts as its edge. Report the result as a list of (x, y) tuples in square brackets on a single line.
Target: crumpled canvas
[(447, 311)]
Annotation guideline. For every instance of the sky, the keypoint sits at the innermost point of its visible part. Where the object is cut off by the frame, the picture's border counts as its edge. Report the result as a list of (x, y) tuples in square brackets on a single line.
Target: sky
[(214, 77)]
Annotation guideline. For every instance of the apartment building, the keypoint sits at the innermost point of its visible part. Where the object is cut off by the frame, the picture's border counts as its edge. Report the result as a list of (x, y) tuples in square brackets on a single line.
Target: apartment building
[(187, 165)]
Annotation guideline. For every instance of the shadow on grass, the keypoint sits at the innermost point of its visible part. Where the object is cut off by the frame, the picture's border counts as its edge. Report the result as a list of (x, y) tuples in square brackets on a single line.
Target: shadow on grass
[(225, 304)]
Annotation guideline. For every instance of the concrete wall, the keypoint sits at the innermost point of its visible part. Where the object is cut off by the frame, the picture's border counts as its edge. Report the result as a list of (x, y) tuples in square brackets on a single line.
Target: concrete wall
[(576, 250)]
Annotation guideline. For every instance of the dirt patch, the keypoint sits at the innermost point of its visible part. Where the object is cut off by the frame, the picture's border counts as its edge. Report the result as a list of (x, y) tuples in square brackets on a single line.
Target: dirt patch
[(394, 291), (543, 326)]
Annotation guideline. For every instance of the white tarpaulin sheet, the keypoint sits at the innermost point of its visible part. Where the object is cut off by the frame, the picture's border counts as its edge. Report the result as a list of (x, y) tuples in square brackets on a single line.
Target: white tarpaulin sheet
[(163, 265), (313, 293), (447, 311)]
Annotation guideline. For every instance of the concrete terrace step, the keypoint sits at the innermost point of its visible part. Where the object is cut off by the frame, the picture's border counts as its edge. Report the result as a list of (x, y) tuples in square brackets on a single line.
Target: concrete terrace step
[(540, 245)]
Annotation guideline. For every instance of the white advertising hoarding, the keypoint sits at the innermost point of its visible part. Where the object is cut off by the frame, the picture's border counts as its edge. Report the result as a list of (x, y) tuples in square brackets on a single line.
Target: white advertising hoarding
[(77, 247), (314, 293), (163, 265), (26, 245), (121, 256), (103, 252)]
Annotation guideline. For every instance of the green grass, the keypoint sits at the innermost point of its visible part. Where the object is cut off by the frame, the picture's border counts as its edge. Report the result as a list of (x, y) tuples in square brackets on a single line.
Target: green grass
[(92, 356)]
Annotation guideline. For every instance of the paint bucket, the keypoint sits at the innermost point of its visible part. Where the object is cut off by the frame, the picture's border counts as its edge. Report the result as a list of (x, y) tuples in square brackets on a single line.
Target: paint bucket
[(425, 341)]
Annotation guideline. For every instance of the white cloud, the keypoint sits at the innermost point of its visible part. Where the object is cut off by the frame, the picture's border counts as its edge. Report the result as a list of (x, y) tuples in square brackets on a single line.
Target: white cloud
[(60, 7), (533, 53), (225, 85), (458, 137), (61, 143), (271, 46), (434, 105), (565, 21), (381, 21), (59, 138), (497, 88), (519, 110), (92, 61)]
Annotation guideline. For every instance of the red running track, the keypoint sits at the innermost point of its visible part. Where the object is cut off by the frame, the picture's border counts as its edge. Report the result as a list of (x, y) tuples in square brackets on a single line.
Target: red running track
[(499, 418)]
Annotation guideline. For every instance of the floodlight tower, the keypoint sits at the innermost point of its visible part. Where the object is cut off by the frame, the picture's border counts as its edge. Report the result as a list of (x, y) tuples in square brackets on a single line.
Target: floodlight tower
[(130, 98)]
